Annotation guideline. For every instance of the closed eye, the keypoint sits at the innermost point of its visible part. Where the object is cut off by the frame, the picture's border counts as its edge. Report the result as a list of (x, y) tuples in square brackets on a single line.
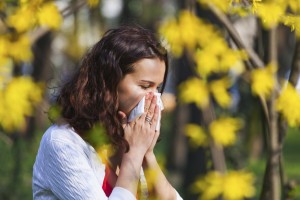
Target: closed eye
[(149, 84), (145, 87)]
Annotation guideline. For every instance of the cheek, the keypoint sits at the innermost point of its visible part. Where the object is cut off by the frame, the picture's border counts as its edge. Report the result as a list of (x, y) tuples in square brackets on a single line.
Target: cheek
[(127, 101)]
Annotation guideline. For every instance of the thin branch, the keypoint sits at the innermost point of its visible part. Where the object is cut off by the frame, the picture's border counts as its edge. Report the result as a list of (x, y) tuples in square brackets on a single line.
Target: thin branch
[(295, 70), (272, 180), (217, 152), (265, 108), (34, 36), (253, 57), (6, 139)]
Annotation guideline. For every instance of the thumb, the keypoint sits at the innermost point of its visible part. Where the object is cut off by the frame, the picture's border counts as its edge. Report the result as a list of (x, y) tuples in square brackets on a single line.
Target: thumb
[(123, 118)]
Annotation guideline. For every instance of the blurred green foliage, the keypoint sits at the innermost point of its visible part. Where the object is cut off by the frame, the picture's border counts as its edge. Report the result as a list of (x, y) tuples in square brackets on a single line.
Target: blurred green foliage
[(17, 160)]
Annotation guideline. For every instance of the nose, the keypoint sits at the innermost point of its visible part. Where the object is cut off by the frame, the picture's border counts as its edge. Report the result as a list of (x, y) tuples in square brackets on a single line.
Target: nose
[(154, 90)]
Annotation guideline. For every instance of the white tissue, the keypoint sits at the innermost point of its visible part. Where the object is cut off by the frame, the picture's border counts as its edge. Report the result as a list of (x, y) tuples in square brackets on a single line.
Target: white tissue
[(137, 111), (140, 109), (161, 107)]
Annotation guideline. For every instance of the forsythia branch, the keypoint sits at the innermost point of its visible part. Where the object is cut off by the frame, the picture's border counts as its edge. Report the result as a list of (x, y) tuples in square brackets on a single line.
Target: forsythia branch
[(217, 151), (253, 57), (273, 165), (6, 139)]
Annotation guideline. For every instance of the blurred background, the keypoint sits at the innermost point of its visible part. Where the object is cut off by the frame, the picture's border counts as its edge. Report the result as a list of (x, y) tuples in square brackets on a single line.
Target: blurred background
[(32, 69)]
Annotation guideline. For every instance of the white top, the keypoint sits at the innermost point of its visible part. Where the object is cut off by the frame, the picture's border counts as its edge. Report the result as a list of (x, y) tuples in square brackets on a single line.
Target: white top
[(66, 167)]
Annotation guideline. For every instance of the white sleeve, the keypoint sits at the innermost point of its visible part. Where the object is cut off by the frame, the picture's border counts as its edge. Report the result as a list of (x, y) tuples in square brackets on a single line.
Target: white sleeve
[(70, 176)]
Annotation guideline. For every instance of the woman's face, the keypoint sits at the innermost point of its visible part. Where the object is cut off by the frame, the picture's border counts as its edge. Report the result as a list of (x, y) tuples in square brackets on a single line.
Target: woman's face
[(147, 77)]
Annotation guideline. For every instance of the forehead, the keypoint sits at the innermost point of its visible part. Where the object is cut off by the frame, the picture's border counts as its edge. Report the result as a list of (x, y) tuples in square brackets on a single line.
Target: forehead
[(149, 69)]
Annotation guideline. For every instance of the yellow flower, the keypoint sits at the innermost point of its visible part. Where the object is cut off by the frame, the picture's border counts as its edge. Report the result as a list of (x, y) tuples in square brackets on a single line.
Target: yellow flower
[(270, 13), (188, 27), (288, 104), (4, 44), (92, 3), (208, 35), (224, 130), (294, 5), (219, 90), (151, 176), (17, 101), (218, 46), (188, 31), (232, 60), (196, 134), (50, 16), (23, 19), (238, 185), (105, 151), (263, 81), (235, 185), (217, 57), (207, 62), (171, 32), (210, 186), (194, 91), (292, 21), (20, 50)]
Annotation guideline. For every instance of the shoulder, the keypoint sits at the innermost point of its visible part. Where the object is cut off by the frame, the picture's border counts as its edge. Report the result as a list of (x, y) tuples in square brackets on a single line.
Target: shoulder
[(62, 139), (61, 145), (64, 134)]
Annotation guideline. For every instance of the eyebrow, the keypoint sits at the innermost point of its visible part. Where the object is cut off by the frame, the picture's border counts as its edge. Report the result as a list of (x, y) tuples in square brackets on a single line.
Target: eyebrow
[(151, 82)]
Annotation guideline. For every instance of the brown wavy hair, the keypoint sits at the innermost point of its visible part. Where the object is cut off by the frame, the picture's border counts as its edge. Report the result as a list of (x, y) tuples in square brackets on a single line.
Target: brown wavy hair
[(90, 96)]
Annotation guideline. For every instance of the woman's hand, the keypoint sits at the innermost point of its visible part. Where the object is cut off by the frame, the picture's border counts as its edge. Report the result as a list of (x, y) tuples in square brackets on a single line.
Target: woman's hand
[(140, 133), (152, 114)]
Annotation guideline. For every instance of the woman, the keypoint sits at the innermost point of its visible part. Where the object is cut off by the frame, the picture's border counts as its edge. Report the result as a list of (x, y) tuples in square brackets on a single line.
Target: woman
[(125, 66)]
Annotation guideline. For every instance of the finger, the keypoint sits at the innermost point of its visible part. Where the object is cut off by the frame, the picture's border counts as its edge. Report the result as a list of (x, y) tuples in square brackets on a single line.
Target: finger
[(148, 101), (123, 118), (146, 117), (155, 117), (152, 107)]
